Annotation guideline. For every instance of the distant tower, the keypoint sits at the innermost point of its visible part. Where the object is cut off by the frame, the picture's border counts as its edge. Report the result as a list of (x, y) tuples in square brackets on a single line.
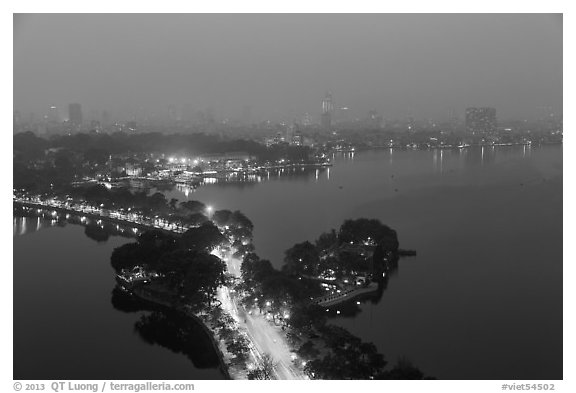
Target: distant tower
[(327, 109), (481, 121), (53, 115), (75, 114)]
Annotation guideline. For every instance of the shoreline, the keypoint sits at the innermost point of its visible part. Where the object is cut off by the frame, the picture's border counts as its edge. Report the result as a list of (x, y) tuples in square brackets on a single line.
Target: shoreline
[(223, 366)]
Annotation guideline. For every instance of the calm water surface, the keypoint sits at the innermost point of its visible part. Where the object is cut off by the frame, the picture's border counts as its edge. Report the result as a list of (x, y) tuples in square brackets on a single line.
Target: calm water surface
[(65, 325), (482, 300)]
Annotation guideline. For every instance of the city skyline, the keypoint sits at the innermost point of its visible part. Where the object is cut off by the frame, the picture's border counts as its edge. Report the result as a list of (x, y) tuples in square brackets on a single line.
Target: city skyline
[(319, 196), (398, 65)]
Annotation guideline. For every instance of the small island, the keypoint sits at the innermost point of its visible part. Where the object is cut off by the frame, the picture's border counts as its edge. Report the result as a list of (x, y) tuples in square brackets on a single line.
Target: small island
[(193, 262), (211, 272)]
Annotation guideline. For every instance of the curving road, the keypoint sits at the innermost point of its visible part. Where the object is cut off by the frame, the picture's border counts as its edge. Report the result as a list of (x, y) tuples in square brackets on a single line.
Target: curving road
[(265, 337)]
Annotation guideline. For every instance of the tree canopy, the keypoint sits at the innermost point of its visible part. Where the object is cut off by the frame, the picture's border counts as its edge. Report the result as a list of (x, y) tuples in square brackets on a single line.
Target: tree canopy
[(302, 258)]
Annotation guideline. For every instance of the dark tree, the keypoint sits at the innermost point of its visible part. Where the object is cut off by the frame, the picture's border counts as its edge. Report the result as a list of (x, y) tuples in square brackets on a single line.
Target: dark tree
[(96, 155), (192, 275), (126, 256), (221, 217), (302, 258), (403, 369), (204, 238), (191, 207), (239, 220), (239, 347), (327, 240), (266, 369), (94, 232), (254, 270), (195, 219), (363, 229), (172, 203), (308, 350)]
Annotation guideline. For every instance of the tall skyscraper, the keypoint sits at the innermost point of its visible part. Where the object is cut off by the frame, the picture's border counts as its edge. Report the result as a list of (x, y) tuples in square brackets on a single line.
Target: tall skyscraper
[(75, 114), (327, 109), (53, 115), (480, 120)]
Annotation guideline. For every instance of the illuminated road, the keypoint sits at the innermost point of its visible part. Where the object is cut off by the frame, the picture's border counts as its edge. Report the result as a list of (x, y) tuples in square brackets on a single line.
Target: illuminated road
[(105, 214), (265, 337)]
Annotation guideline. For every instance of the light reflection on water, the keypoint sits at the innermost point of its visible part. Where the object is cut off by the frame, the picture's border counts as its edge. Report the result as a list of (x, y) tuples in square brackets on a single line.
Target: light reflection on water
[(482, 220)]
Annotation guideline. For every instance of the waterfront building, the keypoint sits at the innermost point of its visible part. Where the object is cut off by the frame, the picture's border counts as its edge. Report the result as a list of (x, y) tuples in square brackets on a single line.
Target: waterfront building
[(133, 170)]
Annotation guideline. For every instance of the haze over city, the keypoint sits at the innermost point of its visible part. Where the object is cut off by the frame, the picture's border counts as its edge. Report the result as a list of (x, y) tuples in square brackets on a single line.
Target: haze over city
[(279, 67), (287, 196)]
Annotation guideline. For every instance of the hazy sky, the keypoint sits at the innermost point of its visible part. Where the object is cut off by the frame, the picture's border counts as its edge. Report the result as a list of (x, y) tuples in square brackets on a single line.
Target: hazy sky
[(281, 65)]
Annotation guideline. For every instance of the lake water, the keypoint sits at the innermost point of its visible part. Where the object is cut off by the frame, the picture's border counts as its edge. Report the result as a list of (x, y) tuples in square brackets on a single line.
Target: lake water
[(65, 323), (482, 300)]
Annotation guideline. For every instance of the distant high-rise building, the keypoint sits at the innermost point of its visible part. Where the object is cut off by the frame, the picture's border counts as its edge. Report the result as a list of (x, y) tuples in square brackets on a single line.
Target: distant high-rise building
[(327, 109), (480, 120), (53, 115), (75, 114)]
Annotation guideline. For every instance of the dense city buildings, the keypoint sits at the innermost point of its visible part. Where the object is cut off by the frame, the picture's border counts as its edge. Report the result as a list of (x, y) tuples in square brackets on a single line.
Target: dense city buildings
[(481, 121), (374, 196)]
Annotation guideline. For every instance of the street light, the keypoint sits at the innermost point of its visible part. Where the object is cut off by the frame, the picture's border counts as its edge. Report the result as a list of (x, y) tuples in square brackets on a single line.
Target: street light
[(209, 209)]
